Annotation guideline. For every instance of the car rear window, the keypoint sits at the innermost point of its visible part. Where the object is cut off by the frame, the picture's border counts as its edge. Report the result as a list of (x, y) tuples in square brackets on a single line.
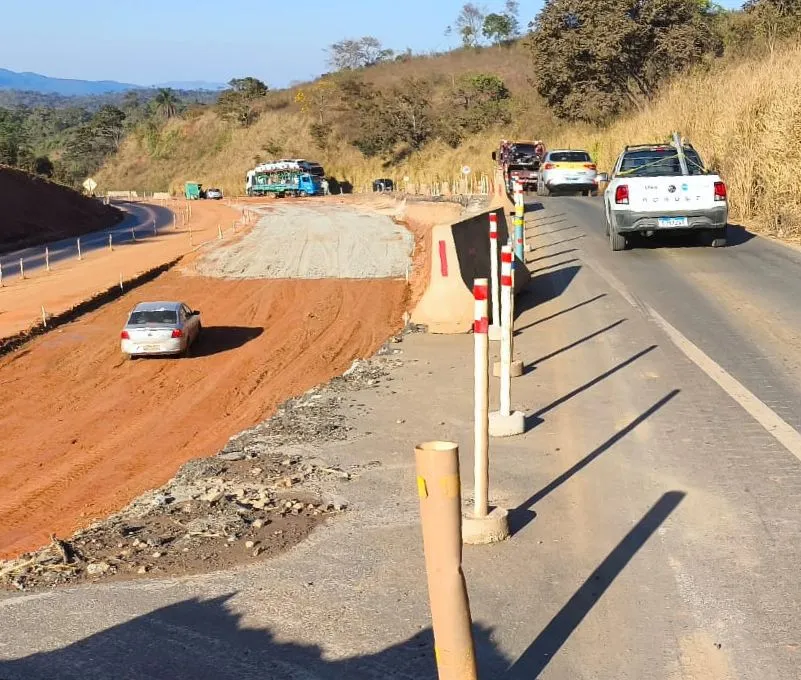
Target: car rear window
[(570, 157), (153, 316), (660, 163)]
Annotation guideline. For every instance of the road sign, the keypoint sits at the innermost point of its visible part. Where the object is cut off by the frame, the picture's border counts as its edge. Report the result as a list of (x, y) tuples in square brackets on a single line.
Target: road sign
[(466, 170), (90, 185)]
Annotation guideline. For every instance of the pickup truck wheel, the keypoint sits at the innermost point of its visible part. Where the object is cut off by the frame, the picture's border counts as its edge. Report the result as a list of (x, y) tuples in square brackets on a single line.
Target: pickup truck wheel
[(718, 238), (302, 194), (616, 241)]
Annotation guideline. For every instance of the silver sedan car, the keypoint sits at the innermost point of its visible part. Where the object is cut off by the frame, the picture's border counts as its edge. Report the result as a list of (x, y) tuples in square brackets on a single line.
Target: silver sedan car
[(160, 329)]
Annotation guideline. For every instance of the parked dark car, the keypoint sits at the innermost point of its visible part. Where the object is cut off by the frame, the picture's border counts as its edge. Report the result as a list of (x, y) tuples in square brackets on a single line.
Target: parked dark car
[(383, 185)]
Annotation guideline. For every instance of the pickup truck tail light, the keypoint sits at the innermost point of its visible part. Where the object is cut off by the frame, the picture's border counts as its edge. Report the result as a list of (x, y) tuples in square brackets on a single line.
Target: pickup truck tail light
[(622, 194), (720, 191), (124, 336)]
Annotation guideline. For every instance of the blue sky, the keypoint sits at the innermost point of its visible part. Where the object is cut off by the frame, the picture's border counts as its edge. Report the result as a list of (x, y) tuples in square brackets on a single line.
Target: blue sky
[(150, 41)]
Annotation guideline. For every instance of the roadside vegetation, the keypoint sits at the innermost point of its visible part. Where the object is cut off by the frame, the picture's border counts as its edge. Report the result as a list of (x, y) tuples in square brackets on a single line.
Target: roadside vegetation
[(67, 139), (581, 73)]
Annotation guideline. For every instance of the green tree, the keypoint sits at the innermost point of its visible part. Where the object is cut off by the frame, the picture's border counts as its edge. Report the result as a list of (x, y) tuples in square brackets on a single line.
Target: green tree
[(166, 102), (499, 28), (478, 102), (593, 58), (774, 20), (386, 123), (108, 124), (240, 102)]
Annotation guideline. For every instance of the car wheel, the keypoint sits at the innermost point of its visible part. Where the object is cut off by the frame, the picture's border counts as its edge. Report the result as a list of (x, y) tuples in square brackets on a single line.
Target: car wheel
[(616, 241), (719, 238)]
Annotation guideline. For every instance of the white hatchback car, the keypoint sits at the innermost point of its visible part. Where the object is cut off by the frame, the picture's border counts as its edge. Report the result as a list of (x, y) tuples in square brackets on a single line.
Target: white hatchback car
[(567, 170), (159, 329)]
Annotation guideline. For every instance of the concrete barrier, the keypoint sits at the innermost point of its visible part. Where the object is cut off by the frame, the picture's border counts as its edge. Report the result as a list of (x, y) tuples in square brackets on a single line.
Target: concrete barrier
[(162, 196), (460, 253), (125, 195)]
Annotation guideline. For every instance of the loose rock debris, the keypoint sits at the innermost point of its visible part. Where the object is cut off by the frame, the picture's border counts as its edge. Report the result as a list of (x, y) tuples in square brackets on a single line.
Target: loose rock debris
[(262, 493)]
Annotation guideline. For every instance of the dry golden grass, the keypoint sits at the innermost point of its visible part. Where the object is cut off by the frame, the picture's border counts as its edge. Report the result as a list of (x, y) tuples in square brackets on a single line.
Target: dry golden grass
[(745, 119)]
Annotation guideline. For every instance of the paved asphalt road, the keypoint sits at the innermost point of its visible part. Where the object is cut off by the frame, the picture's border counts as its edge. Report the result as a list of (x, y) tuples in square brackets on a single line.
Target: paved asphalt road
[(655, 499), (139, 221), (740, 305)]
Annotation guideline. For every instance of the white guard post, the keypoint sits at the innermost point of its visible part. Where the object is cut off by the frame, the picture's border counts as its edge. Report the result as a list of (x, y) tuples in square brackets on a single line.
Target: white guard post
[(505, 422)]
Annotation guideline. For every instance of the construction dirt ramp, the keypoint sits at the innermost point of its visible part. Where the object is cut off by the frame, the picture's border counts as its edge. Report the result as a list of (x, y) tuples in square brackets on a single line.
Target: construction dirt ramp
[(460, 253), (36, 210)]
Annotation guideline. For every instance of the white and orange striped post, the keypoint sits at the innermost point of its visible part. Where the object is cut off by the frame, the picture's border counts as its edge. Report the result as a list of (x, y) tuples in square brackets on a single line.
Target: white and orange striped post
[(481, 382), (495, 328), (515, 365), (505, 422), (483, 525)]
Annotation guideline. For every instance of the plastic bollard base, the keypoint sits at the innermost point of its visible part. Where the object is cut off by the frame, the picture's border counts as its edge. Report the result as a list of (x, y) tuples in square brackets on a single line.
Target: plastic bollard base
[(506, 426), (493, 528), (515, 369)]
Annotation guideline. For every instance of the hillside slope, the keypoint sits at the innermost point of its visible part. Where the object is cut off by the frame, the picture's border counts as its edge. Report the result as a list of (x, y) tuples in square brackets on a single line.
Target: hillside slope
[(218, 153), (36, 211), (744, 116)]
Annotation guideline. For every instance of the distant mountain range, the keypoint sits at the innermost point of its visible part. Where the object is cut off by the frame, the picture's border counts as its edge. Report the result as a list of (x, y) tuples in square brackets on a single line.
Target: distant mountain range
[(35, 82)]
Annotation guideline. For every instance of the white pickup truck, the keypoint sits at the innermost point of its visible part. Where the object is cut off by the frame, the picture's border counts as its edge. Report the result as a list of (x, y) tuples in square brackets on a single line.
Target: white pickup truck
[(664, 187)]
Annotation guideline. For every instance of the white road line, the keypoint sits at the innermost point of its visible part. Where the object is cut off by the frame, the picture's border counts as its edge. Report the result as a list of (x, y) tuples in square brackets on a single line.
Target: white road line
[(782, 431)]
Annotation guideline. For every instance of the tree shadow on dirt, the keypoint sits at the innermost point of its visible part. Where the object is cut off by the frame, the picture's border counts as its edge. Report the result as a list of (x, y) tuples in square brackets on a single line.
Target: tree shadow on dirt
[(198, 640), (219, 339)]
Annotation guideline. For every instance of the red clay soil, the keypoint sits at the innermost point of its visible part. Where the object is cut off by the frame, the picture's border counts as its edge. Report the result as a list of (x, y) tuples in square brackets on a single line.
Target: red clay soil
[(35, 210), (84, 432)]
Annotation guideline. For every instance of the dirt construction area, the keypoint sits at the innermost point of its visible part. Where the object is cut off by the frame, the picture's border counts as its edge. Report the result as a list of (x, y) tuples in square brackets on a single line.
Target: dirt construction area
[(85, 431)]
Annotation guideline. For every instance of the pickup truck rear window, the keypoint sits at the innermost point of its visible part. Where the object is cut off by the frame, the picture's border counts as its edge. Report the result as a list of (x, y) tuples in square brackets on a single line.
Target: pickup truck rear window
[(570, 157), (660, 163)]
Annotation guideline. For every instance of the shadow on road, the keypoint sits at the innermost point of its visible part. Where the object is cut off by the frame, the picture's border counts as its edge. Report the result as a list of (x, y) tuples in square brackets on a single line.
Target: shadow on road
[(536, 418), (578, 342), (524, 514), (219, 339), (551, 221), (555, 265), (555, 315), (557, 243), (737, 236), (539, 654), (544, 288), (545, 257), (199, 640), (553, 231)]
